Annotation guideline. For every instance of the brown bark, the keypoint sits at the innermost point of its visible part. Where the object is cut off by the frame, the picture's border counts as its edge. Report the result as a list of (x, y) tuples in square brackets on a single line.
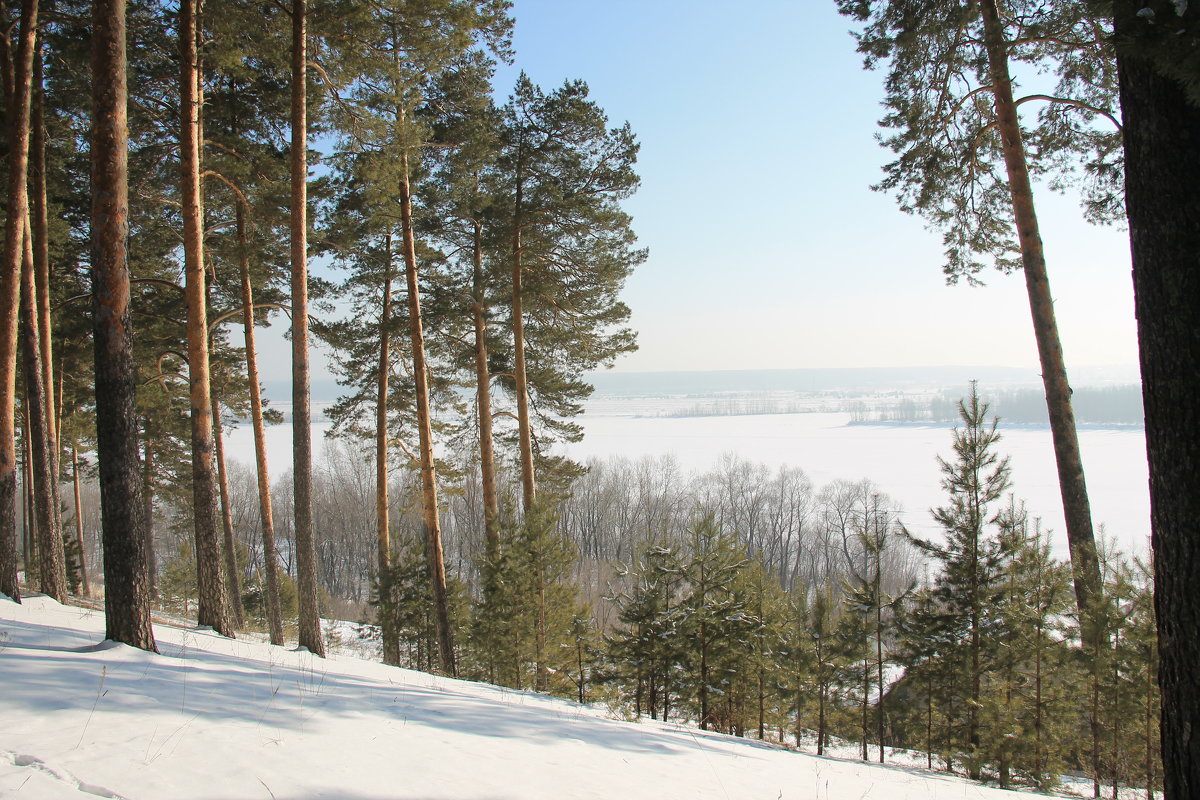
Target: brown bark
[(267, 518), (39, 223), (212, 608), (306, 560), (483, 402), (232, 583), (1085, 565), (429, 498), (85, 585), (148, 511), (18, 72), (383, 545), (1162, 198), (52, 572), (520, 376), (126, 591)]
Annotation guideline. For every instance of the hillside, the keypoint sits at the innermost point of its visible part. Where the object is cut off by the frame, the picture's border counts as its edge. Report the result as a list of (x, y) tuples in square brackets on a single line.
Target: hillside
[(227, 719)]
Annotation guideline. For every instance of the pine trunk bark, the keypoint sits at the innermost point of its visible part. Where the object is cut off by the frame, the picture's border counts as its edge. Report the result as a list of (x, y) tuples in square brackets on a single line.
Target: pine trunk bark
[(1077, 512), (429, 498), (212, 608), (148, 510), (52, 570), (40, 225), (17, 96), (520, 374), (83, 570), (232, 582), (266, 514), (1162, 198), (383, 543), (126, 591), (483, 401), (306, 554)]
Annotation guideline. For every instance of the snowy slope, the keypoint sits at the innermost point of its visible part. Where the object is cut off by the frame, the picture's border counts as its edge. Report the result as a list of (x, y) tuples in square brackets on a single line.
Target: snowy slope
[(233, 720)]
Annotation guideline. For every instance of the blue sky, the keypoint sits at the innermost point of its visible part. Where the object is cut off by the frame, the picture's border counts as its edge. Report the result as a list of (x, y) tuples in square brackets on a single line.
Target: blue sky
[(767, 247)]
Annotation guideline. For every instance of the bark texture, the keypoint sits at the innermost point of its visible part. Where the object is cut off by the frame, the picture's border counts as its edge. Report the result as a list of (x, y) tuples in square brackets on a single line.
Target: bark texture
[(229, 550), (212, 608), (1162, 196), (483, 402), (429, 498), (1085, 566), (85, 584), (52, 571), (17, 112), (383, 544), (520, 377), (126, 590), (306, 559), (266, 515)]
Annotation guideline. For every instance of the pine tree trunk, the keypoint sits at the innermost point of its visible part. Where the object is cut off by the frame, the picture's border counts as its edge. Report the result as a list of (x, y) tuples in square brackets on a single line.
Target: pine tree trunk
[(17, 114), (306, 553), (212, 608), (52, 570), (126, 591), (1076, 509), (520, 376), (148, 511), (39, 223), (483, 402), (232, 582), (83, 571), (429, 498), (383, 544), (266, 515), (1162, 176)]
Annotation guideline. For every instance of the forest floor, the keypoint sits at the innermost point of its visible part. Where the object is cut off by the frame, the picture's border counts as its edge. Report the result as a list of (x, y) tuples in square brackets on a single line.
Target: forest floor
[(236, 719)]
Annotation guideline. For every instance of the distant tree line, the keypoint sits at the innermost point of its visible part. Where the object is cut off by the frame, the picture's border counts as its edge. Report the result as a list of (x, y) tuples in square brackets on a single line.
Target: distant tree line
[(1114, 405)]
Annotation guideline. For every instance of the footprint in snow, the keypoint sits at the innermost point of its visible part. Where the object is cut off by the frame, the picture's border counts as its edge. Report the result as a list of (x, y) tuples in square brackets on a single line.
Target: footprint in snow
[(33, 762)]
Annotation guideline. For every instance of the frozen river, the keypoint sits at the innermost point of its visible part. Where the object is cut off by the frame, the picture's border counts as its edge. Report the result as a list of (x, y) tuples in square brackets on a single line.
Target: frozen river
[(899, 459)]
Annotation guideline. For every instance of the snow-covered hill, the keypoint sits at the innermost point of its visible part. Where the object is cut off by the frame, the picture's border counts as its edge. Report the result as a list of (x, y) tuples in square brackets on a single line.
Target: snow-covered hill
[(224, 719)]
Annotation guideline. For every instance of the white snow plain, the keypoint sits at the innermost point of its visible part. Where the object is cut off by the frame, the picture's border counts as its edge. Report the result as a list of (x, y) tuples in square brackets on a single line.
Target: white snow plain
[(235, 719)]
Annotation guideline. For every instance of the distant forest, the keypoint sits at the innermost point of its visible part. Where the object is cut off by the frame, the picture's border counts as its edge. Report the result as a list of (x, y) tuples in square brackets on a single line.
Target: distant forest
[(1110, 405)]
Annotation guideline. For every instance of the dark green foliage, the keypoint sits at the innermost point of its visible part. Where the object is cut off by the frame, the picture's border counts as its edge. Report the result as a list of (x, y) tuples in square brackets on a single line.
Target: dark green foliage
[(940, 119), (526, 627), (403, 600)]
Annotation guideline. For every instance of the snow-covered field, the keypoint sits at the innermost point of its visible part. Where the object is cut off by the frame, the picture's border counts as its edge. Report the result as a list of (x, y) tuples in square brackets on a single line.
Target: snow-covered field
[(224, 719)]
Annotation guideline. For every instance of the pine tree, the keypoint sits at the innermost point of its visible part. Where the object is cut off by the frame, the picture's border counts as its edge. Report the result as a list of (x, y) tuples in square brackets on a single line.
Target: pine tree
[(972, 561), (126, 596), (711, 615), (1160, 109), (571, 248), (962, 163)]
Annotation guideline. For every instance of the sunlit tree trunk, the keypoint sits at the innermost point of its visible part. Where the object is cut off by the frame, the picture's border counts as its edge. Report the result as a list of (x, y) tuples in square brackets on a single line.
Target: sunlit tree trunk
[(383, 544), (232, 583), (266, 514), (126, 591), (18, 83), (83, 570), (52, 570), (212, 608), (306, 583), (520, 376), (40, 228), (429, 498), (1076, 508), (483, 401)]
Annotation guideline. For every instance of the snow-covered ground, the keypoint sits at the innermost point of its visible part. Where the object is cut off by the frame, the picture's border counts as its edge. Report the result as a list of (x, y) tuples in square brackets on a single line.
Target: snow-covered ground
[(223, 719)]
